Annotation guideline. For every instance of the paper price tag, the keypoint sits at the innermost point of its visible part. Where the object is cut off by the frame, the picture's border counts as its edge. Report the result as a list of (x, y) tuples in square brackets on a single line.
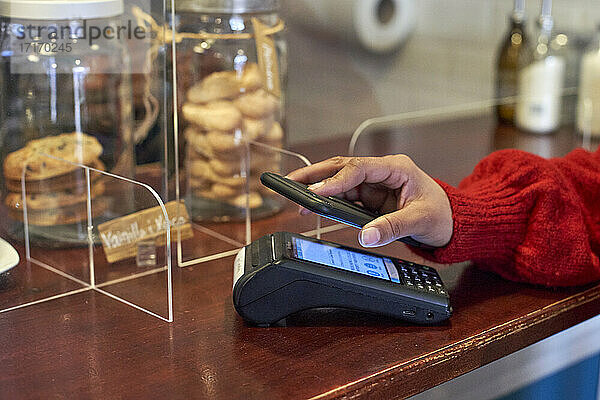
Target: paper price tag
[(268, 61), (120, 236)]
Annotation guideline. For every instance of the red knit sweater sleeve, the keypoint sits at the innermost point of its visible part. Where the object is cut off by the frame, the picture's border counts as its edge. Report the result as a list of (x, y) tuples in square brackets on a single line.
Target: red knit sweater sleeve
[(528, 219)]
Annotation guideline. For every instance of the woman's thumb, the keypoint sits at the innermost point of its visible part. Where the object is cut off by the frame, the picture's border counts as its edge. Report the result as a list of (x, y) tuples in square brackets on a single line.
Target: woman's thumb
[(386, 229)]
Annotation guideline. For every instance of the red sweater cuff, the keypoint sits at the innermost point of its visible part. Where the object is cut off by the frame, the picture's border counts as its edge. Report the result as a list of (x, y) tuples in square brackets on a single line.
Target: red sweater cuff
[(527, 218), (478, 223)]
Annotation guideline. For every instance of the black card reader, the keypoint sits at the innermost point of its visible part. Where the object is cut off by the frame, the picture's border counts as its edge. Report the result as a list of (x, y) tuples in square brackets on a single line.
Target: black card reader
[(283, 273)]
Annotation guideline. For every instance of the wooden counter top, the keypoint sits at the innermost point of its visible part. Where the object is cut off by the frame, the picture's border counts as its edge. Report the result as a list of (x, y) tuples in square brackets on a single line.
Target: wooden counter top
[(89, 346)]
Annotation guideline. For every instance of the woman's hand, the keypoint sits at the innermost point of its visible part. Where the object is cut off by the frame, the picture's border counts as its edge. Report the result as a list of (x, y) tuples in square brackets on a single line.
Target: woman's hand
[(410, 202)]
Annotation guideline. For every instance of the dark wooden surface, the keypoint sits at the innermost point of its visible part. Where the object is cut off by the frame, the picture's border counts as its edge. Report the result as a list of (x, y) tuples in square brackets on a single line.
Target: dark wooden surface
[(88, 345)]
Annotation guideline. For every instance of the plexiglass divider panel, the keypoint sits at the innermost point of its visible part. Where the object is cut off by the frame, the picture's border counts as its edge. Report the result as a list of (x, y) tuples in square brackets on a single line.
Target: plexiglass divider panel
[(228, 213), (132, 246), (471, 127), (94, 94), (466, 126), (89, 229)]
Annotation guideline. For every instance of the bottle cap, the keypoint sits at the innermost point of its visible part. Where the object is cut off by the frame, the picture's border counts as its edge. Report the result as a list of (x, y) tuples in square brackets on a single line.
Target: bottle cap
[(546, 22), (518, 14), (546, 8), (227, 6), (60, 9)]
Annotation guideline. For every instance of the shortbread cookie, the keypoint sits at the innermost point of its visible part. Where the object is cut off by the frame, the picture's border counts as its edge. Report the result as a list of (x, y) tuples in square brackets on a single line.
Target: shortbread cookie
[(229, 180), (273, 139), (200, 148), (74, 181), (233, 144), (266, 167), (216, 86), (196, 142), (44, 201), (199, 183), (225, 85), (254, 200), (256, 128), (261, 162), (224, 167), (197, 168), (193, 155), (74, 147), (274, 135), (219, 115), (206, 193), (191, 131), (218, 145), (251, 78), (225, 142), (61, 216), (223, 191), (257, 104)]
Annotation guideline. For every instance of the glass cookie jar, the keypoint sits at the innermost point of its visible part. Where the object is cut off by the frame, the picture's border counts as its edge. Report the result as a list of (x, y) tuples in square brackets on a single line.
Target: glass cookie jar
[(64, 92), (231, 74)]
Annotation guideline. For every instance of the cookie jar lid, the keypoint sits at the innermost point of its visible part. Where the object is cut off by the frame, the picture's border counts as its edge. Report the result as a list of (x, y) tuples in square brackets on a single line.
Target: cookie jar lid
[(227, 6), (60, 9)]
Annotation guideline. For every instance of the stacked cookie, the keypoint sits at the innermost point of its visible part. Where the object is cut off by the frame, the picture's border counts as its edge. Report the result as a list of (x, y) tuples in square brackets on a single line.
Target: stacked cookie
[(56, 191), (224, 112)]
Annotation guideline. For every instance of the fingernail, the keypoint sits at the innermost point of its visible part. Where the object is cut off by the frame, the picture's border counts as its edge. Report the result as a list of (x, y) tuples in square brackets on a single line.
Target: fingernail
[(369, 236), (316, 185)]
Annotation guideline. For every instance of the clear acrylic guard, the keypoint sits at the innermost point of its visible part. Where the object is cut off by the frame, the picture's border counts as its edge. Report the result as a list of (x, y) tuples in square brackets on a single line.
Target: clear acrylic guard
[(214, 240), (63, 259), (473, 126)]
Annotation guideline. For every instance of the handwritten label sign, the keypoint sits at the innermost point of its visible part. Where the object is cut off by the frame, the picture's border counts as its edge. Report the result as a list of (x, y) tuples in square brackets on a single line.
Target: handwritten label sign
[(267, 58), (120, 236)]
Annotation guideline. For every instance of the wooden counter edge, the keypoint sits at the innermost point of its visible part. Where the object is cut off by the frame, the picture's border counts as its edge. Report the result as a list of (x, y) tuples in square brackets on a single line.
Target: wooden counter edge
[(417, 375)]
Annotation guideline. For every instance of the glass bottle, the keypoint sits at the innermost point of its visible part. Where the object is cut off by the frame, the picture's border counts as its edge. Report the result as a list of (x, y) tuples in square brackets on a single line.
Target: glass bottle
[(67, 94), (541, 82), (512, 56), (231, 59), (588, 106)]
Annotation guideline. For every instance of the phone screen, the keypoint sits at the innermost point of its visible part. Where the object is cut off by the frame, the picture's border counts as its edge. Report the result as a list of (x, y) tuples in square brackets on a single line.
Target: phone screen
[(365, 264)]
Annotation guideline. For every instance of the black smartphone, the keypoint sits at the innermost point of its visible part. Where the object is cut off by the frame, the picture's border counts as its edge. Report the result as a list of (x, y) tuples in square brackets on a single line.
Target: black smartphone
[(326, 206)]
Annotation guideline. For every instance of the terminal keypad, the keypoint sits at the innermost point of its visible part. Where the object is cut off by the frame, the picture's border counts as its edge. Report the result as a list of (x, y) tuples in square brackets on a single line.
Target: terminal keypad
[(421, 277)]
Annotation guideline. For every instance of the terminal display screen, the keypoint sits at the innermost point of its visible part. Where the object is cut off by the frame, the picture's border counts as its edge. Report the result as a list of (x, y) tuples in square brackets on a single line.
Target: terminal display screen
[(366, 264)]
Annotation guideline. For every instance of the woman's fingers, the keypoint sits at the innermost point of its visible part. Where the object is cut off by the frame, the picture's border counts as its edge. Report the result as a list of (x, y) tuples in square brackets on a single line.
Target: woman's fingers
[(376, 197), (319, 171), (417, 206), (366, 179), (390, 171)]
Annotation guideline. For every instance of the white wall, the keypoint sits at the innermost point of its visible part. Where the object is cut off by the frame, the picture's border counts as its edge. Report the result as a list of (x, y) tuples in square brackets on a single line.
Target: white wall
[(449, 59)]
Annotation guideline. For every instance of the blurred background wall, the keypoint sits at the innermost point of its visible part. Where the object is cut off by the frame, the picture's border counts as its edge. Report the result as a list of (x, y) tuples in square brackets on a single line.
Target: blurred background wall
[(449, 59)]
